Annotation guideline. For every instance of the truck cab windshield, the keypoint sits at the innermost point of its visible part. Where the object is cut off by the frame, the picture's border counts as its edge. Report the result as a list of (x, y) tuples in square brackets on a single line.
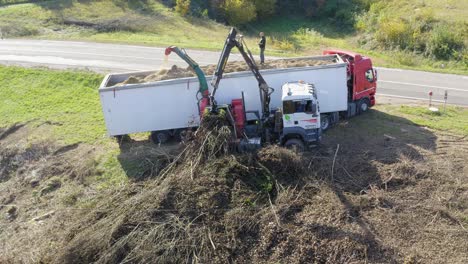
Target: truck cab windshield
[(302, 106)]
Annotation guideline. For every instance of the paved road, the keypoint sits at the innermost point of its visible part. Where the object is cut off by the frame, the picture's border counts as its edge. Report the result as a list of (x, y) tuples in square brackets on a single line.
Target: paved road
[(120, 58)]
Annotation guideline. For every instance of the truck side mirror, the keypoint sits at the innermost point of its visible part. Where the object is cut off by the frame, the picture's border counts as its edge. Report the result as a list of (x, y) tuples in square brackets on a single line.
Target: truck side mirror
[(375, 74)]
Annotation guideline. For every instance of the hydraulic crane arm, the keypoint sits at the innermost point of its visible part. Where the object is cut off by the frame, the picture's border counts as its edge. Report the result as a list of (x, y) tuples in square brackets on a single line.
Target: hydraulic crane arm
[(203, 90), (231, 42)]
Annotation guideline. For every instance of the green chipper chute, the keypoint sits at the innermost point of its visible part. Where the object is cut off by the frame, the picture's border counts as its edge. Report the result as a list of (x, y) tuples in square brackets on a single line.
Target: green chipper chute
[(203, 90)]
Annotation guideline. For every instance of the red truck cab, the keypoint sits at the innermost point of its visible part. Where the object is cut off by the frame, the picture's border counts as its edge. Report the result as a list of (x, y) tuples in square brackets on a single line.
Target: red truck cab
[(362, 80)]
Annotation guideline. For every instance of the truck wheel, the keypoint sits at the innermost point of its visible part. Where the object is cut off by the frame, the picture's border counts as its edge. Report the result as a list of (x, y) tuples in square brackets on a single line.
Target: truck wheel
[(180, 135), (324, 122), (364, 105), (160, 137), (122, 138), (295, 144), (183, 135)]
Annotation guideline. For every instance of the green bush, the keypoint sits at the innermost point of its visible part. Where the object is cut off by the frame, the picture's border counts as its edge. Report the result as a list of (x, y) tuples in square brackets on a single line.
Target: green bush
[(405, 58), (464, 57), (445, 42), (394, 34), (284, 44), (239, 12), (417, 33), (182, 7), (265, 8), (18, 30)]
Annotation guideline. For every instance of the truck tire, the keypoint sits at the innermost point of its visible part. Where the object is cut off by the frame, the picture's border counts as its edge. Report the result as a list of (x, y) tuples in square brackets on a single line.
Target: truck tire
[(183, 135), (180, 135), (324, 122), (122, 139), (363, 105), (160, 137), (295, 144)]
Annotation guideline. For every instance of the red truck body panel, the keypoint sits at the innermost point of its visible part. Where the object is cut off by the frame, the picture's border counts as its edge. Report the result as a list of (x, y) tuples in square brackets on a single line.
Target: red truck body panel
[(362, 78), (239, 115)]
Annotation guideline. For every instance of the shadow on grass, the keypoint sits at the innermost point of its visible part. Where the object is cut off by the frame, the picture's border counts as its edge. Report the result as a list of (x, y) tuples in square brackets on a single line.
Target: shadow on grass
[(142, 7), (134, 16), (59, 5), (142, 159), (372, 151), (365, 144)]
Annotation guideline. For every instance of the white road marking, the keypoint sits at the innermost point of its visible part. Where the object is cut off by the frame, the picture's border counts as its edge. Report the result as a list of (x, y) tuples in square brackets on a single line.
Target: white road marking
[(409, 97), (428, 86), (107, 46), (69, 62), (38, 51), (388, 69), (465, 77), (69, 44)]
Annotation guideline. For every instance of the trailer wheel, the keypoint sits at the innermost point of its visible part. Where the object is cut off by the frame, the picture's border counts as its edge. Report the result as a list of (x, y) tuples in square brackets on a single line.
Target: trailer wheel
[(295, 144), (324, 122), (184, 135), (364, 105), (160, 137), (122, 139)]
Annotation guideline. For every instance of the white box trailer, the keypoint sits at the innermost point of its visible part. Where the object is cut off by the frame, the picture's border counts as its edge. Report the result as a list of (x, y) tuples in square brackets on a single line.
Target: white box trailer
[(172, 104)]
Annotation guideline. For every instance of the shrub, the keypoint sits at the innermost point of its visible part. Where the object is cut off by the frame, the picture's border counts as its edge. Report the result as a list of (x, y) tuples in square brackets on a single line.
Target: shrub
[(12, 30), (464, 57), (239, 12), (310, 36), (405, 58), (394, 33), (424, 20), (369, 21), (183, 7), (265, 8), (283, 44), (444, 42), (205, 13)]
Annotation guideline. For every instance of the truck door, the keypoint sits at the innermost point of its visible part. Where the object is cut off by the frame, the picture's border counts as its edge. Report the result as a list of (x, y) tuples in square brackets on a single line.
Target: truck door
[(300, 114), (364, 80)]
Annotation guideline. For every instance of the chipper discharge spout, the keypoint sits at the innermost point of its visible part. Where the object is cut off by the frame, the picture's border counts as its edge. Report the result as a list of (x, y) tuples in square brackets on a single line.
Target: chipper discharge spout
[(204, 101)]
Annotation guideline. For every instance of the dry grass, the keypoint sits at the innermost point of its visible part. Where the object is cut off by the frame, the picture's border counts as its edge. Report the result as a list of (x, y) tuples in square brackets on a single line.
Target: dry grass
[(399, 196)]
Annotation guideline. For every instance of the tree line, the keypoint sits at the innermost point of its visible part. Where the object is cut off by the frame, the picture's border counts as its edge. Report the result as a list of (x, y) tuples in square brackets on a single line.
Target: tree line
[(240, 12)]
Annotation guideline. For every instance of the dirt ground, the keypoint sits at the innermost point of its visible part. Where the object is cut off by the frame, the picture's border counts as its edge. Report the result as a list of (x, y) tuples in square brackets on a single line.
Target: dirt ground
[(175, 72), (374, 192)]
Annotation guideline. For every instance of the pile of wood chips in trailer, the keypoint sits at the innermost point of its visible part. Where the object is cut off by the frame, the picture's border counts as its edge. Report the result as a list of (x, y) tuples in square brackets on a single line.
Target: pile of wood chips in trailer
[(176, 72)]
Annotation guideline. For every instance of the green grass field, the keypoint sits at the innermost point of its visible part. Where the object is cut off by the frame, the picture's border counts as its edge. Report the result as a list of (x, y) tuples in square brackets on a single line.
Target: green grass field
[(68, 99), (453, 119), (151, 23)]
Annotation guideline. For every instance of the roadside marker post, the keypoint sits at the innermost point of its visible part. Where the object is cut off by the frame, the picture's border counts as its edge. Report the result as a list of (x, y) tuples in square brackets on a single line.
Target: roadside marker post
[(433, 109), (445, 99), (430, 98)]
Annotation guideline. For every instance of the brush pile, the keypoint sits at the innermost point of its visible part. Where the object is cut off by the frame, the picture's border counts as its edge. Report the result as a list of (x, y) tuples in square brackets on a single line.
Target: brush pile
[(212, 139), (210, 205), (381, 201)]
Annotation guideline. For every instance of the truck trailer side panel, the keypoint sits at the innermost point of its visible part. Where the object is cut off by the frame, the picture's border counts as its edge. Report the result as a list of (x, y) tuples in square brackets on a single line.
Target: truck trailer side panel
[(330, 83), (150, 107), (172, 104)]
